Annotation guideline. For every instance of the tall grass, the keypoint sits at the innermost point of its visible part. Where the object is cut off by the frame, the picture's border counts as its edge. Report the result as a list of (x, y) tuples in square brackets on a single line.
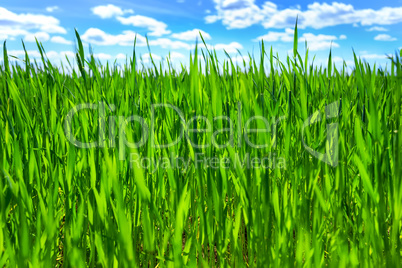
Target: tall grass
[(65, 206)]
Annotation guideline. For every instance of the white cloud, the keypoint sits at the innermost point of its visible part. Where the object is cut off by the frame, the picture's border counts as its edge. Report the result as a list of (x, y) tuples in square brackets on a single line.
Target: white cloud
[(52, 8), (58, 57), (109, 11), (314, 42), (236, 14), (52, 55), (319, 42), (41, 36), (102, 56), (11, 21), (286, 36), (146, 58), (343, 37), (98, 37), (244, 13), (315, 46), (120, 56), (340, 61), (377, 29), (212, 18), (336, 60), (383, 16), (11, 33), (51, 28), (21, 53), (156, 28), (169, 44), (384, 37), (320, 37), (239, 60), (373, 57), (229, 48), (318, 16), (60, 40), (191, 35), (68, 54), (176, 56)]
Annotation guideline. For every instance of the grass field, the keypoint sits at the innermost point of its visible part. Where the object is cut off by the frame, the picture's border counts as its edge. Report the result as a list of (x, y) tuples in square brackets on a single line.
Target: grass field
[(75, 192)]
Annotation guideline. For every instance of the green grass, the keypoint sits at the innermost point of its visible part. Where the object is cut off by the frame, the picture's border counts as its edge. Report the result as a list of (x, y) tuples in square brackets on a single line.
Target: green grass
[(66, 206)]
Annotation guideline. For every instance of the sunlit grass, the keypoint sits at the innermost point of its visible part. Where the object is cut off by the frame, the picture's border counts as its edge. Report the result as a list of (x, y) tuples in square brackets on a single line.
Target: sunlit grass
[(65, 206)]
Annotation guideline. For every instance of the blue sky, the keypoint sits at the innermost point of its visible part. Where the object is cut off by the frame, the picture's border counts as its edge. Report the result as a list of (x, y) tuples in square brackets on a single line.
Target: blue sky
[(372, 28)]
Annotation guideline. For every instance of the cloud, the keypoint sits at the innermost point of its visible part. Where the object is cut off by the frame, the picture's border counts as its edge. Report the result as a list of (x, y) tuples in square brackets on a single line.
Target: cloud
[(323, 15), (51, 28), (98, 37), (40, 36), (229, 48), (236, 14), (212, 18), (109, 11), (156, 28), (319, 42), (105, 56), (61, 56), (176, 59), (336, 60), (146, 58), (52, 8), (121, 56), (169, 44), (102, 56), (377, 29), (384, 37), (240, 60), (286, 36), (175, 56), (68, 54), (373, 57), (60, 40), (21, 53), (52, 55), (343, 37), (11, 33), (314, 42), (11, 21), (191, 35), (35, 54)]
